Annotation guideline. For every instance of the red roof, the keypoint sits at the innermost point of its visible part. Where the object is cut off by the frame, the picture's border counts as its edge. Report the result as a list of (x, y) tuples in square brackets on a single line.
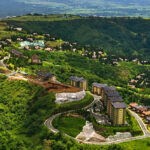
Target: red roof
[(133, 104)]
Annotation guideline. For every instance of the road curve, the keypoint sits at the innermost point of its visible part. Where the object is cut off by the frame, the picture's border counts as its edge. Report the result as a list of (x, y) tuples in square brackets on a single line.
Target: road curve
[(146, 133)]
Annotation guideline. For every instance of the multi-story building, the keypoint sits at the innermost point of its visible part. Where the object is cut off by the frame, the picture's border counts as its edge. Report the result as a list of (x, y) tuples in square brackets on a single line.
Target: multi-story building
[(97, 88), (118, 115), (113, 102), (108, 92), (79, 82), (110, 100)]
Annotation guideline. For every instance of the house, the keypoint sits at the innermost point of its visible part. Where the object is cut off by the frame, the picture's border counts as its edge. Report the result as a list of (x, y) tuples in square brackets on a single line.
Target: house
[(118, 115), (35, 59), (18, 29), (16, 53), (8, 41), (133, 106), (49, 49), (110, 100), (46, 76), (26, 47), (97, 88), (146, 113), (142, 109), (19, 39), (79, 82), (148, 120), (30, 39)]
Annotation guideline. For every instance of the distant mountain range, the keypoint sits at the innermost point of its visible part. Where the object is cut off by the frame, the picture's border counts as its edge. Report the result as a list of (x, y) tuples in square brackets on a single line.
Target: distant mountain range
[(82, 7)]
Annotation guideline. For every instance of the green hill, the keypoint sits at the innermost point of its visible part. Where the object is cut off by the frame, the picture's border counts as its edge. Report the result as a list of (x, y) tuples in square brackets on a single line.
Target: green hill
[(120, 36)]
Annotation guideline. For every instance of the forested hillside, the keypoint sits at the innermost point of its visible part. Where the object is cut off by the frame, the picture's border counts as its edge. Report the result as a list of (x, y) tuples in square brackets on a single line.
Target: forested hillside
[(121, 36)]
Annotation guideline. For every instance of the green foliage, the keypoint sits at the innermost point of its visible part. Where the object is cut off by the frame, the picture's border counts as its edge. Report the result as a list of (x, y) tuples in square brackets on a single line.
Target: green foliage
[(76, 105), (69, 125), (120, 36)]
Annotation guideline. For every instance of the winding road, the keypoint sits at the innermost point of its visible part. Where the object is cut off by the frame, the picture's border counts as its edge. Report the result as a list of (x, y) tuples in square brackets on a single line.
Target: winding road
[(146, 132)]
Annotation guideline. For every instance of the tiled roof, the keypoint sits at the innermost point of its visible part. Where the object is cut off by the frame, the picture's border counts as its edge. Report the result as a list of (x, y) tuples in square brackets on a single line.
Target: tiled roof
[(133, 104), (112, 94), (45, 74), (119, 105), (77, 79), (109, 88), (99, 85), (16, 52), (115, 99)]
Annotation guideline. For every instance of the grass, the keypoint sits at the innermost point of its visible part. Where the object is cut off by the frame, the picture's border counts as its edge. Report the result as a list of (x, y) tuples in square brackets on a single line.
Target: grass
[(137, 145), (69, 125), (41, 18)]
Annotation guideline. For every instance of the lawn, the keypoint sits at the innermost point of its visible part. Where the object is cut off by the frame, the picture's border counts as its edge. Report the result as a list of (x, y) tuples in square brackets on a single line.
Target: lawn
[(137, 145), (69, 124)]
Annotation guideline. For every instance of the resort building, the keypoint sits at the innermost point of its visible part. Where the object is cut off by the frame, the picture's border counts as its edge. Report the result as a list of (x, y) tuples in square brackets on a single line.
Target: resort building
[(108, 92), (110, 100), (97, 88), (46, 76), (118, 113), (79, 82)]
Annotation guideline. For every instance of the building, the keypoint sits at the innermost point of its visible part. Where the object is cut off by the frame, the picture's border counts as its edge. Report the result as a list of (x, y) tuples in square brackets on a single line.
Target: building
[(133, 105), (35, 59), (46, 76), (148, 120), (110, 100), (118, 115), (108, 92), (97, 88), (146, 114), (79, 82), (16, 53)]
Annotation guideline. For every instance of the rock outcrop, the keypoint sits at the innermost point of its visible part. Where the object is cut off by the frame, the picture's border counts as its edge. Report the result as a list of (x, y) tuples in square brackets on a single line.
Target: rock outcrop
[(88, 134)]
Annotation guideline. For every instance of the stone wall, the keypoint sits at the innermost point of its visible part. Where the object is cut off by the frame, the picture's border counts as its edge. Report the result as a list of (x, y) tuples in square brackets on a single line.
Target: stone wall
[(69, 97)]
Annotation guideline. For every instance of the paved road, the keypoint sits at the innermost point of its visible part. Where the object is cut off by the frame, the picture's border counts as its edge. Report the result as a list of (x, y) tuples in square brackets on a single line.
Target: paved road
[(146, 132), (49, 121)]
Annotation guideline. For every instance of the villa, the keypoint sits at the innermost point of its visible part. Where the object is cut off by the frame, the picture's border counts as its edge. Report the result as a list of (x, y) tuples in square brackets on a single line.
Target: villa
[(35, 59), (46, 76)]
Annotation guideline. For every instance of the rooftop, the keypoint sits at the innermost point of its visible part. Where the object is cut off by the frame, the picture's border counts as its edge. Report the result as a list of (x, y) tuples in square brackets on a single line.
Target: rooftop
[(45, 74), (133, 104), (109, 88), (112, 94), (119, 105), (77, 79), (16, 52), (148, 118), (99, 85), (115, 99), (146, 113)]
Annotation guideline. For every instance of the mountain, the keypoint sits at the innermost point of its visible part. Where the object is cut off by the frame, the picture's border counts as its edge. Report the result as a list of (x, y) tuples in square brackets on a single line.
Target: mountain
[(84, 7)]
